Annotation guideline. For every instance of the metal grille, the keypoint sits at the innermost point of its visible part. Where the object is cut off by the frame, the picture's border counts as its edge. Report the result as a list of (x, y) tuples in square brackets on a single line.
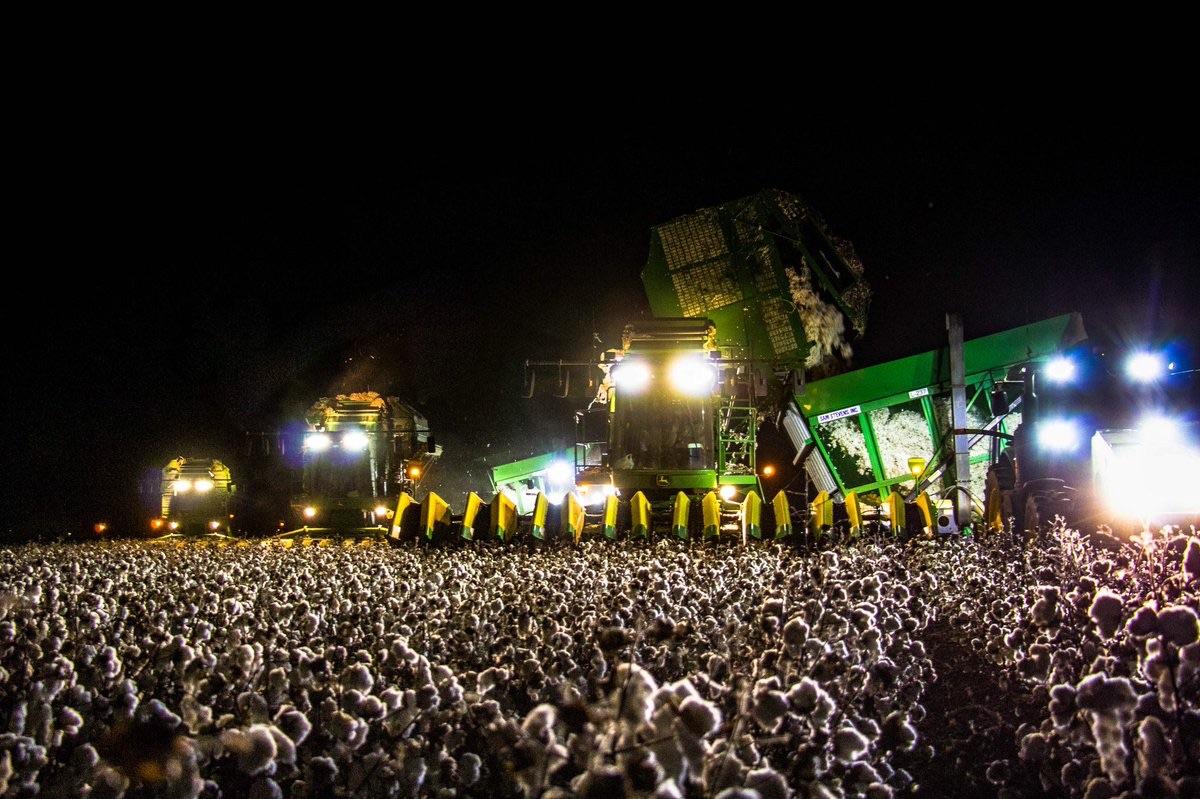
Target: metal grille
[(748, 232), (764, 275), (779, 329), (704, 287), (692, 239)]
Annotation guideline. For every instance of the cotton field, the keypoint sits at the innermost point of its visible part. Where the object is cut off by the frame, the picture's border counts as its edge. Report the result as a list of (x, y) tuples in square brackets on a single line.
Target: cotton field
[(662, 669)]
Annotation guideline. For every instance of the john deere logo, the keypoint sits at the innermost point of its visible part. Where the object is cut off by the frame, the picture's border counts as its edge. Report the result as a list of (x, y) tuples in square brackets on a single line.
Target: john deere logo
[(663, 481)]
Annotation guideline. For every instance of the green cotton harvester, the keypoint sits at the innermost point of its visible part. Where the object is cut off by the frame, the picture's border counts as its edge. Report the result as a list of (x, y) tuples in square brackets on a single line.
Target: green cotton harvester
[(362, 450), (195, 499), (746, 296)]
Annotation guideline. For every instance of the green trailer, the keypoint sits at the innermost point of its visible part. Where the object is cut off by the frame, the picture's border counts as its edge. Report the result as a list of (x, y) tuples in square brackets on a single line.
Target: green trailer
[(867, 433)]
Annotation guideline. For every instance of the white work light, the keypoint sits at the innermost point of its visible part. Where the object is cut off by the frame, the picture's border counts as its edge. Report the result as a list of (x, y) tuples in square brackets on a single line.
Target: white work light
[(182, 486), (354, 441), (317, 442), (203, 486), (1058, 435), (632, 376), (692, 376), (1145, 367), (1060, 369), (560, 473)]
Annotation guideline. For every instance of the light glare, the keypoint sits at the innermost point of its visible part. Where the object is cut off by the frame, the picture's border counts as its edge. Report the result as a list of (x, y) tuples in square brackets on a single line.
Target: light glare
[(1145, 367), (692, 376), (317, 442), (203, 486), (354, 441), (1058, 435), (631, 376), (1060, 370), (560, 472)]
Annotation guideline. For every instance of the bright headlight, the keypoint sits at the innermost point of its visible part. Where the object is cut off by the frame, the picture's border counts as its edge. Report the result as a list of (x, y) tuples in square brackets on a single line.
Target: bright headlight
[(727, 492), (317, 442), (692, 376), (380, 511), (1145, 367), (354, 441), (1060, 370), (631, 375), (214, 525), (182, 486), (310, 512), (203, 486), (560, 473), (1058, 435)]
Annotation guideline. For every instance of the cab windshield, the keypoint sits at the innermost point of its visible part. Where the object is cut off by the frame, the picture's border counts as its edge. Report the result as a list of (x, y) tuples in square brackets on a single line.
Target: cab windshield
[(659, 431), (337, 474)]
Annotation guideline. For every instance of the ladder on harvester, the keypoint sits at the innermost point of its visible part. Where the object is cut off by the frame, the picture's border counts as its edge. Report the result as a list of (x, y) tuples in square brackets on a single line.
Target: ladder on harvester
[(736, 426)]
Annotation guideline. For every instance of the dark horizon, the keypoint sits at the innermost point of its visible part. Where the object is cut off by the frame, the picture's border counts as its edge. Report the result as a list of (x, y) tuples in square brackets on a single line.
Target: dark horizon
[(226, 283)]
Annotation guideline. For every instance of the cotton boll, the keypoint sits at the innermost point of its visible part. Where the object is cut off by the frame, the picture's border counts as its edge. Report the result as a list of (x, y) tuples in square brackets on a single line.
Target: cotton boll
[(69, 720), (1106, 611), (254, 748), (1179, 624), (265, 788), (849, 744), (1152, 748), (999, 772), (898, 733), (699, 716), (323, 771), (357, 677), (469, 765), (768, 784), (601, 783), (633, 693), (1097, 692), (1144, 622), (795, 633), (769, 709), (1191, 560), (295, 725), (880, 791), (490, 678)]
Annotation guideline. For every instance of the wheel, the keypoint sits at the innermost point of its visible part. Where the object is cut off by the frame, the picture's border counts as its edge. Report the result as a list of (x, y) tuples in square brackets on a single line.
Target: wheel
[(1042, 509)]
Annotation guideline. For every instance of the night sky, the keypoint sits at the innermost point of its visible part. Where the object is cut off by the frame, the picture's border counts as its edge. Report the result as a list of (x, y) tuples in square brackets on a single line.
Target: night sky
[(204, 277)]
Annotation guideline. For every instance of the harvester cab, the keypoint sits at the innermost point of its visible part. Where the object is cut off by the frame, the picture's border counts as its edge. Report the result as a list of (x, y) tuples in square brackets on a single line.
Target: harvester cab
[(195, 499), (678, 416), (361, 451)]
